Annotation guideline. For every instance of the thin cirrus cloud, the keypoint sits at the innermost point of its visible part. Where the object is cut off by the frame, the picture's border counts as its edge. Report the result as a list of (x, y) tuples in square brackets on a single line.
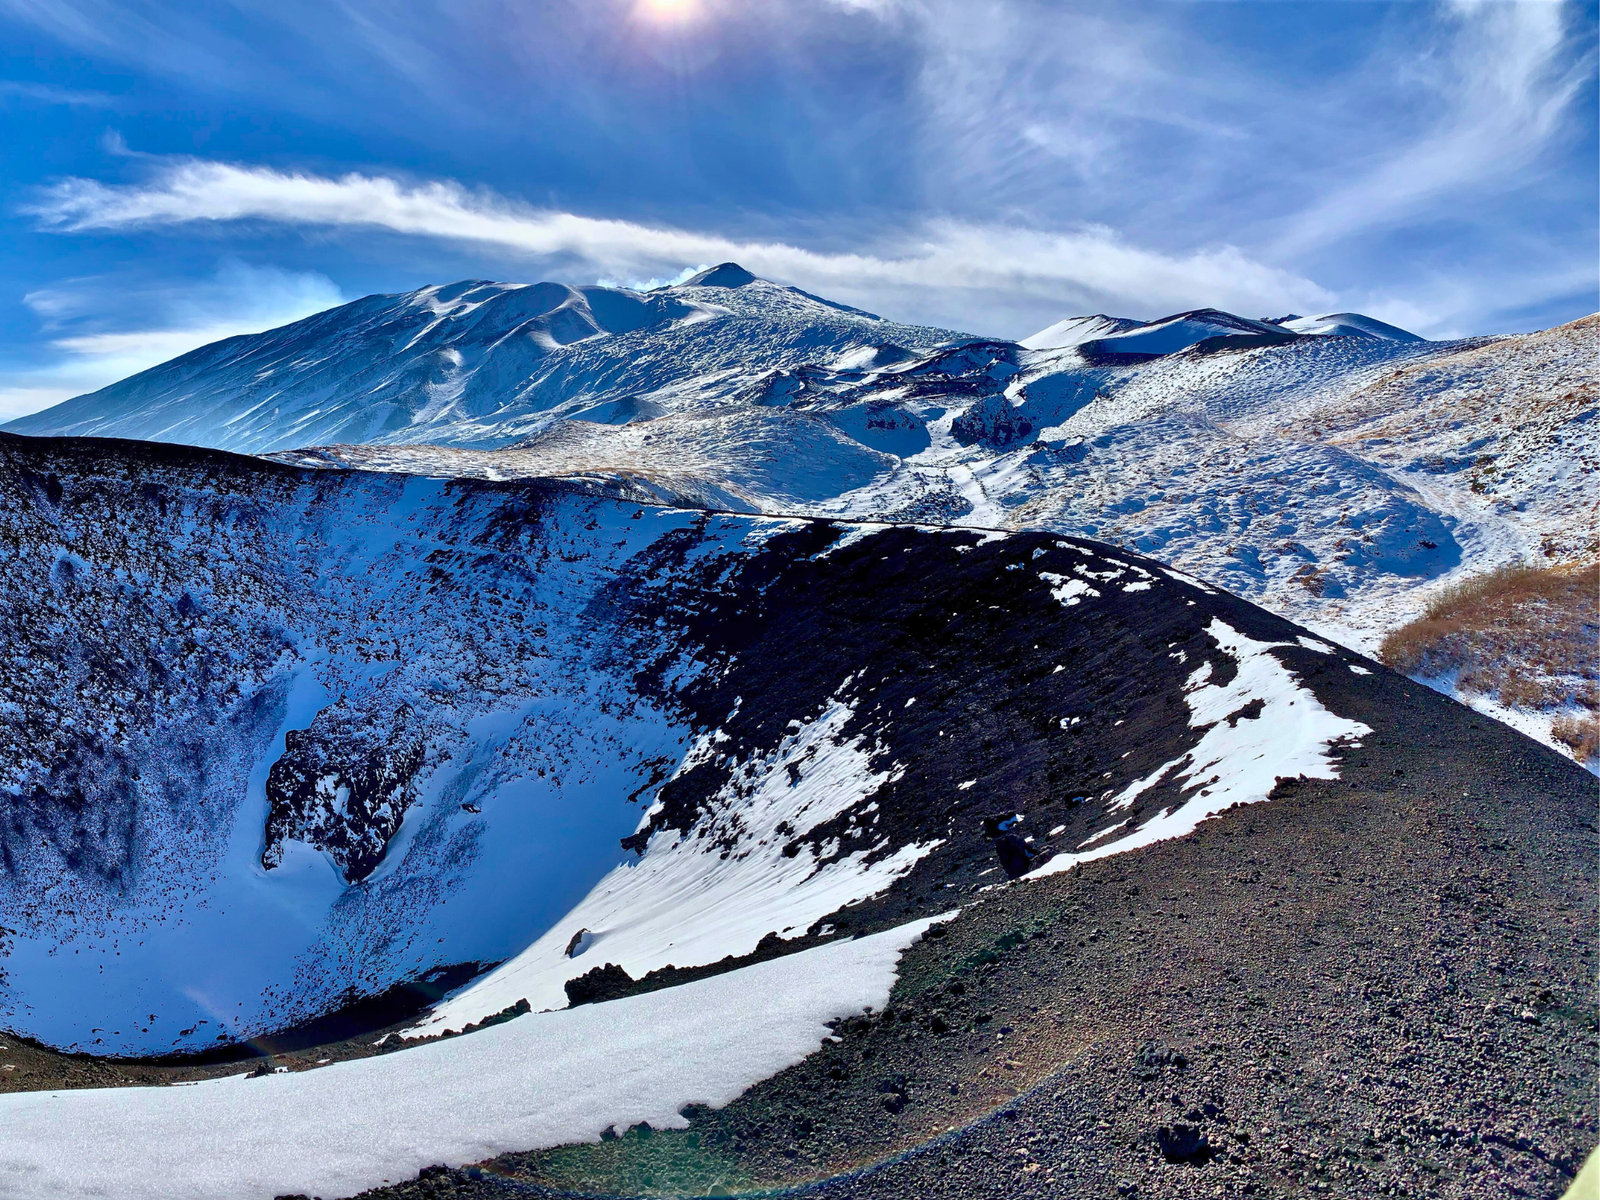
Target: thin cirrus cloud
[(971, 264), (44, 93), (1496, 87)]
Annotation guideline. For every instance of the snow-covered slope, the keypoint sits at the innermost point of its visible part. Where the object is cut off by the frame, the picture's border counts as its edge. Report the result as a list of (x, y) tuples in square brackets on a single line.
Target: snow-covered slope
[(1334, 468), (1347, 325), (1206, 326), (1074, 331), (275, 738), (476, 363)]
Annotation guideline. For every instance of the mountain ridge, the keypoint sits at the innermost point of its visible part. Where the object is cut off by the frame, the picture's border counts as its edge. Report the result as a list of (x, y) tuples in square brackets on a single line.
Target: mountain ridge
[(449, 334), (1245, 451)]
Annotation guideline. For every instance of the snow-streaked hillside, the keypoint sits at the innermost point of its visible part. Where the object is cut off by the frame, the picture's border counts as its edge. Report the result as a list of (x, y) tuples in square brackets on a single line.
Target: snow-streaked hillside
[(1337, 479), (1347, 325), (1334, 468), (476, 363), (1074, 331), (1228, 463), (275, 738), (1203, 327)]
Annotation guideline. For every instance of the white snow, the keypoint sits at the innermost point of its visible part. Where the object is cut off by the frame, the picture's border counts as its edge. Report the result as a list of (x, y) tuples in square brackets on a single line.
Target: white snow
[(1314, 644), (697, 898), (1179, 332), (1067, 591), (536, 1081), (1075, 331), (1348, 325), (1234, 763), (504, 361)]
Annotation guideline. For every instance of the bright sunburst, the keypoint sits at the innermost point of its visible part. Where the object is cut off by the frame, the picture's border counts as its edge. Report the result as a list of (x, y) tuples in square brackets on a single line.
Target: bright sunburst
[(669, 10)]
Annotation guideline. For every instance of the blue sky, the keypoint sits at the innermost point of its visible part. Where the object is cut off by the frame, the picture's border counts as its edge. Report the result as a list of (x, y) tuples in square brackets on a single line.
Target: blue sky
[(175, 173)]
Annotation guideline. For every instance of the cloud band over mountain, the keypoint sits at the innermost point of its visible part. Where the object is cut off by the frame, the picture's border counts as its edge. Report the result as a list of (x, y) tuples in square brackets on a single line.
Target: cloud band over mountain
[(1088, 266)]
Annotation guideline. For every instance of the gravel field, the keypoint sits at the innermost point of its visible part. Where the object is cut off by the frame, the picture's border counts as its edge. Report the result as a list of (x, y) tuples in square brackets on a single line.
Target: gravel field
[(1377, 986)]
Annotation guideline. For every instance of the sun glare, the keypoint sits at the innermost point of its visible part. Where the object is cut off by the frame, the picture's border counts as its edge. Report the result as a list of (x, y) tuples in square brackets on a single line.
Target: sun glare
[(669, 10)]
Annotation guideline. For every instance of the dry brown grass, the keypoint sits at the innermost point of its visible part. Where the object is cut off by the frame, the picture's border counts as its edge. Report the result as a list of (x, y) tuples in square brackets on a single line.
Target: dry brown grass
[(1523, 635), (1581, 735)]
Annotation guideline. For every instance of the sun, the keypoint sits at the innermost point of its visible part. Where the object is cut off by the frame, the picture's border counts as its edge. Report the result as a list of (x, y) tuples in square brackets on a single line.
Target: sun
[(669, 10)]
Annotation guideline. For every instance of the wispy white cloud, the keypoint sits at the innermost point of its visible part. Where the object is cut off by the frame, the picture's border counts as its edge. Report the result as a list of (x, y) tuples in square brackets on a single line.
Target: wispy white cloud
[(970, 264), (1013, 160), (45, 93), (102, 330), (1492, 88), (1442, 305)]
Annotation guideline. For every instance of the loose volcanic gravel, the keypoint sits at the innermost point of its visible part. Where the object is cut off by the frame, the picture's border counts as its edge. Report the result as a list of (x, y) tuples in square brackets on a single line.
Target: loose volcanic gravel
[(1376, 986)]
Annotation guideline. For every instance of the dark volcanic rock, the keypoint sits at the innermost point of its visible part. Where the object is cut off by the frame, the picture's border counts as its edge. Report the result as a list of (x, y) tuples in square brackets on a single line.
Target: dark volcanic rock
[(601, 983), (1183, 1144), (344, 786)]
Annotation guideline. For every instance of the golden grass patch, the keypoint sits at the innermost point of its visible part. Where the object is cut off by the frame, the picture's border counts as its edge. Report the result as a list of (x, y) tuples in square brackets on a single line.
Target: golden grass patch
[(1525, 636)]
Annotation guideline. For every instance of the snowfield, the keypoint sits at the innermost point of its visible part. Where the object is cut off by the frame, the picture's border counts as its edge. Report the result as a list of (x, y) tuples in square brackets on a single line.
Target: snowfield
[(716, 891), (536, 1081)]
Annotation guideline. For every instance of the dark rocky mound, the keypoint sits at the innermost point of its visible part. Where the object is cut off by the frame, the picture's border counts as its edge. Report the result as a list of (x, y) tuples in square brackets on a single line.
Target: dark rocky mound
[(1376, 986)]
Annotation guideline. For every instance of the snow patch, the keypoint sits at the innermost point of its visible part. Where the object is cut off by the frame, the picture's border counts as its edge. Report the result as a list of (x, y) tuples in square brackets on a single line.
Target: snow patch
[(1313, 644), (1067, 591), (537, 1081), (1239, 757), (696, 898)]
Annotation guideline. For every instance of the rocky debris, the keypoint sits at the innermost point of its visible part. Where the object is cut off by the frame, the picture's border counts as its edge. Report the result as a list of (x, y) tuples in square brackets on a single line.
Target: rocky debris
[(1322, 996), (895, 1092), (1154, 1057), (578, 943), (344, 786), (508, 1013), (601, 983), (1183, 1144)]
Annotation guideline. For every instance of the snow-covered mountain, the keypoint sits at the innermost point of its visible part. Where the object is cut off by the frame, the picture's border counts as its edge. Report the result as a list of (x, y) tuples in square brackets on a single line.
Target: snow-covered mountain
[(1074, 331), (275, 738), (476, 363), (1346, 325), (1207, 439), (1206, 328), (1333, 468)]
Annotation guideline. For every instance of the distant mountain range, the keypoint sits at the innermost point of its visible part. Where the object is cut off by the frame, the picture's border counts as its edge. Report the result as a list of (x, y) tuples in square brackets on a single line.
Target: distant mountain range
[(484, 364), (479, 364), (1334, 468)]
